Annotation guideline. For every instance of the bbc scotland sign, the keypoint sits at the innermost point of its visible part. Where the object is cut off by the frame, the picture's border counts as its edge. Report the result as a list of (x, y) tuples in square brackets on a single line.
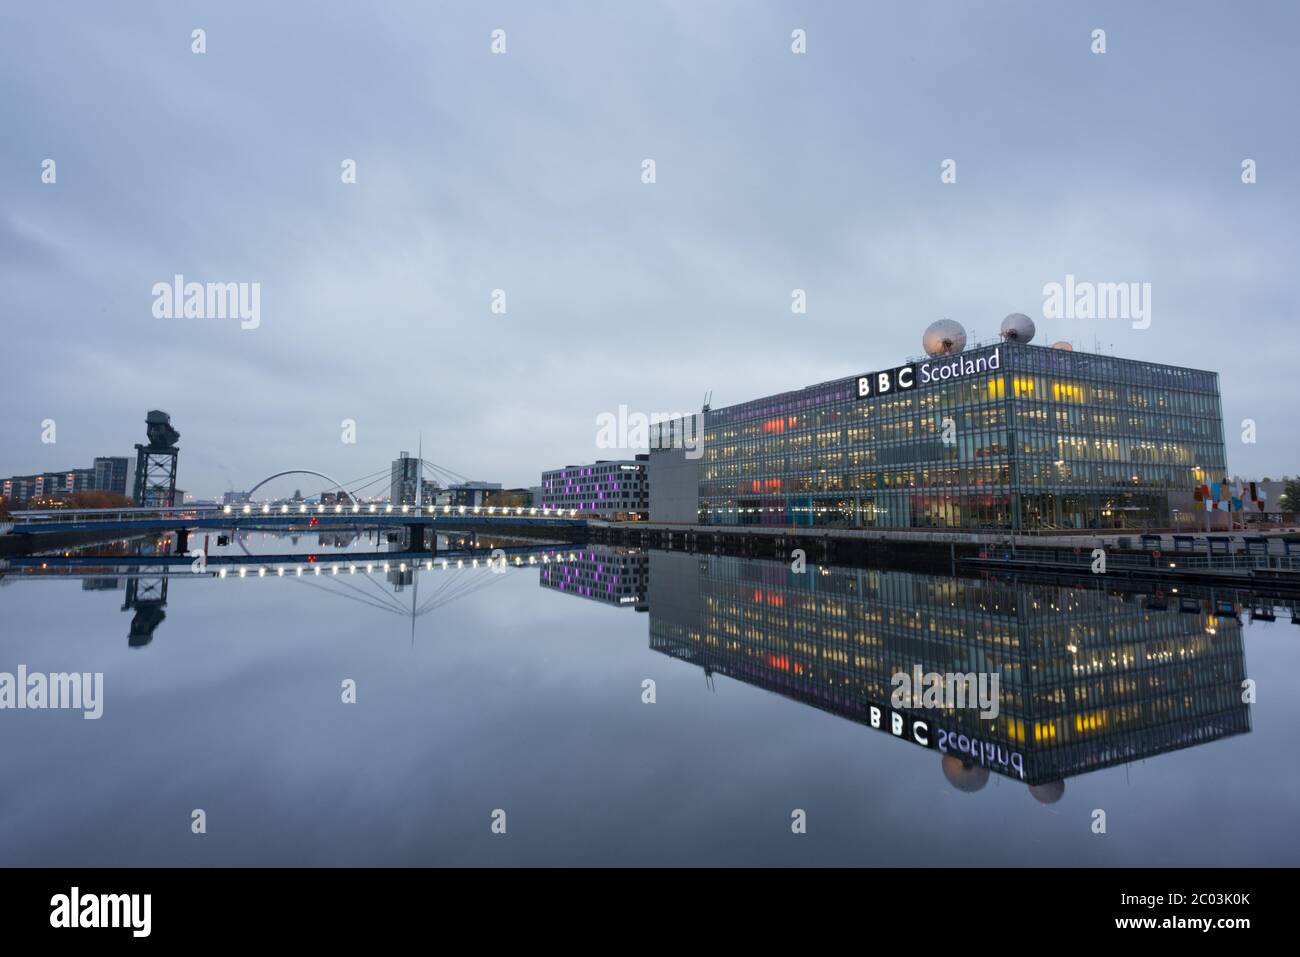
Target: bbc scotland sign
[(905, 378)]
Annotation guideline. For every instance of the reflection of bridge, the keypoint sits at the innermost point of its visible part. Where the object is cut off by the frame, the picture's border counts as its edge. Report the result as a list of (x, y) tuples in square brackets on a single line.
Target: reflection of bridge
[(148, 575), (295, 564)]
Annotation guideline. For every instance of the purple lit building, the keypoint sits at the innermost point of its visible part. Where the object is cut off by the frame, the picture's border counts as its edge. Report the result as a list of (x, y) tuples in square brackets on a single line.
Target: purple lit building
[(617, 490)]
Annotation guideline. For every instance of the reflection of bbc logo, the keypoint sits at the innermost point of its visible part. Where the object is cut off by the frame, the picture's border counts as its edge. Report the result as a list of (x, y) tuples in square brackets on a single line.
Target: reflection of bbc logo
[(882, 383)]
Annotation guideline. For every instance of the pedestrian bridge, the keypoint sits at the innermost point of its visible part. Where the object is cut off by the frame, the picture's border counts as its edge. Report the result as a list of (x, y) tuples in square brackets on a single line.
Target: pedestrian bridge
[(301, 516)]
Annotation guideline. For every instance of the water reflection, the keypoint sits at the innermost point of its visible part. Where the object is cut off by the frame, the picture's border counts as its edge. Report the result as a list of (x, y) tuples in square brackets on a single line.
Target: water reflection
[(1088, 679)]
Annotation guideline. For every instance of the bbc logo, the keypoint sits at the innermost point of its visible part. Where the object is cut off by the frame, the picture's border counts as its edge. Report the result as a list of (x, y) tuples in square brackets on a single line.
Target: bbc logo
[(882, 383)]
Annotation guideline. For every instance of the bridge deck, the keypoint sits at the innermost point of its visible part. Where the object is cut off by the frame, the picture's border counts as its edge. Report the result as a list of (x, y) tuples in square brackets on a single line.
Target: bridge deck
[(453, 518)]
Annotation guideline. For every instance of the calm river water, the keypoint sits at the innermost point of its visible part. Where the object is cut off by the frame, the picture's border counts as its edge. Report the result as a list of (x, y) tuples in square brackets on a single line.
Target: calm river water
[(526, 691)]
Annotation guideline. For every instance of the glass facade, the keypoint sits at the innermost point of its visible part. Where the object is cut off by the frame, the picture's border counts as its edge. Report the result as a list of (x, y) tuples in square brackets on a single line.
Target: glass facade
[(1088, 679), (1009, 436)]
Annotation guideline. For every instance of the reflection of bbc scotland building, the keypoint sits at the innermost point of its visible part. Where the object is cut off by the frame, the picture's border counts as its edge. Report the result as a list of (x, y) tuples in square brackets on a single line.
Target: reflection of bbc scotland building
[(1088, 680), (1009, 435)]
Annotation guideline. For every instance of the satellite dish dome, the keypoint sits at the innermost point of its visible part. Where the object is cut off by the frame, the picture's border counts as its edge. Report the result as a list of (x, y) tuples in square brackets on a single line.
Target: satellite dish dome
[(1063, 346), (964, 775), (943, 338), (1048, 793), (1017, 327)]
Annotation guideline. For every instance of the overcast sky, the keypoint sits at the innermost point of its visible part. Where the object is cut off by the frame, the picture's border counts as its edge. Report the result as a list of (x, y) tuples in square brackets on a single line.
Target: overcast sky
[(522, 172)]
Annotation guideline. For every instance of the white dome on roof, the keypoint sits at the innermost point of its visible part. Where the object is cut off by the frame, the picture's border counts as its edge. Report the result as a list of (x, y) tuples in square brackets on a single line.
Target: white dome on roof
[(943, 338), (1018, 327)]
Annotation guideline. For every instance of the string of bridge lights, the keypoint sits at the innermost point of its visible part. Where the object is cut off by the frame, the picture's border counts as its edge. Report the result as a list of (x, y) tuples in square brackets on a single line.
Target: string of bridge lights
[(334, 568), (355, 509)]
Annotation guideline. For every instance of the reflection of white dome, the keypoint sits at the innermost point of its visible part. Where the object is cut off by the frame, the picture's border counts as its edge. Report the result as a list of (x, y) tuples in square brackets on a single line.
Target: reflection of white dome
[(1048, 793), (1063, 346), (964, 775), (943, 338), (1017, 327)]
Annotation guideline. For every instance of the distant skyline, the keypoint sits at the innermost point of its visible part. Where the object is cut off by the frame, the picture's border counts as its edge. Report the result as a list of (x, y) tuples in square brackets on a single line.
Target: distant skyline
[(522, 171)]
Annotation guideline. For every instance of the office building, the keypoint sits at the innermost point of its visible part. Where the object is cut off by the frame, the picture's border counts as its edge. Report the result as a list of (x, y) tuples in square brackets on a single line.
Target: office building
[(606, 489), (404, 481), (111, 474), (107, 474), (468, 494), (1004, 436)]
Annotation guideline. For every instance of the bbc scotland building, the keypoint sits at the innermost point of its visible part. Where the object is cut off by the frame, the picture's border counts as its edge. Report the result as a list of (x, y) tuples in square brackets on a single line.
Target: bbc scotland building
[(1004, 436)]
